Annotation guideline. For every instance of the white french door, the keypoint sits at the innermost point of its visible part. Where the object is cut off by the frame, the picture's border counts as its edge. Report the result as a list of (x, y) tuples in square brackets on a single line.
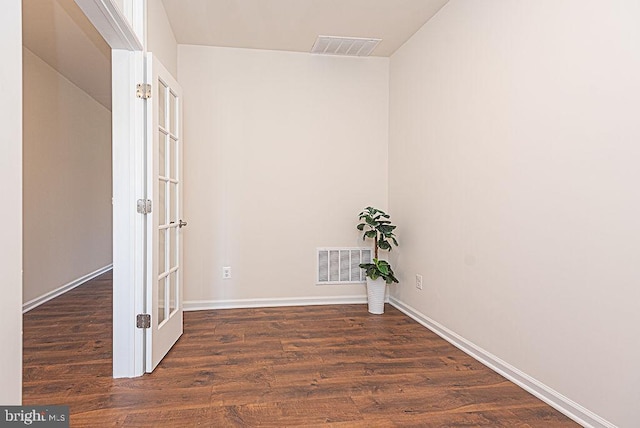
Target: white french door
[(164, 222)]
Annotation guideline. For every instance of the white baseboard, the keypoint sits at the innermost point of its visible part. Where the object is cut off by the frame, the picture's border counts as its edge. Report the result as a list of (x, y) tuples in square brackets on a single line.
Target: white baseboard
[(202, 305), (34, 303), (553, 398)]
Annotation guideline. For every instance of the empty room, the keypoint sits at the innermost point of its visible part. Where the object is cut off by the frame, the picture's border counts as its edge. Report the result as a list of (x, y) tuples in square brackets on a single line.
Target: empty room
[(346, 213)]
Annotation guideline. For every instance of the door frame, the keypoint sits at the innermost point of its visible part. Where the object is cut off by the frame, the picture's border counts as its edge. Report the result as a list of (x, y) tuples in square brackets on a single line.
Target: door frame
[(11, 213), (125, 32)]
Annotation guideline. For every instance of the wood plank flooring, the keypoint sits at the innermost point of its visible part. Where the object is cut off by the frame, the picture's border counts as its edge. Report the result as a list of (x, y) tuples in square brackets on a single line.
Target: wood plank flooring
[(300, 366)]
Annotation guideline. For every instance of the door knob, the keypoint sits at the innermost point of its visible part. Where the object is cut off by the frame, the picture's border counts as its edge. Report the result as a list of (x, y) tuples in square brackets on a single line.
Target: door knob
[(181, 224)]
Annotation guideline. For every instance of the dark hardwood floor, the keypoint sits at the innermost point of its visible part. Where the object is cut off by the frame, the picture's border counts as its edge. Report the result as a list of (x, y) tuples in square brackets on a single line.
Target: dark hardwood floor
[(296, 366)]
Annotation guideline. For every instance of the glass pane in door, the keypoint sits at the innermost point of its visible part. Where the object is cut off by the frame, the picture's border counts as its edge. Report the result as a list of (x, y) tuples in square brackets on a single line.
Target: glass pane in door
[(162, 204), (162, 249), (161, 299), (173, 202), (173, 146), (162, 104), (173, 247), (172, 113), (162, 148), (173, 291)]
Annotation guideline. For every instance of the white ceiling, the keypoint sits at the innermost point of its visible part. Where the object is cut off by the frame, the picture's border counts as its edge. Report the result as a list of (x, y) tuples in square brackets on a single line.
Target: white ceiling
[(60, 34), (293, 25)]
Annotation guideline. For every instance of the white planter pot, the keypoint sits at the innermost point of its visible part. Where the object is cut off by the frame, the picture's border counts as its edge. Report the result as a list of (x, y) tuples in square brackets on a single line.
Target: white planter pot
[(375, 295)]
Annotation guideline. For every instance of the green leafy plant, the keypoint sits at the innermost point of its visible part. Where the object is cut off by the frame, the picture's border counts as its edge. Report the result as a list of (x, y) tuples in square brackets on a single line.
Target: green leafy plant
[(376, 225), (379, 269)]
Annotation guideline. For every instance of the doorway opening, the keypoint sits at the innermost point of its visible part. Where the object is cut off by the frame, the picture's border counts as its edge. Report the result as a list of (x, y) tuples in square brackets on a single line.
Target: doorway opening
[(67, 175)]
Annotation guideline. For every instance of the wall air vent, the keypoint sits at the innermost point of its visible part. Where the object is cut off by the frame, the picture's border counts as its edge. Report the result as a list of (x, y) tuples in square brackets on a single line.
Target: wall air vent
[(342, 265), (350, 46)]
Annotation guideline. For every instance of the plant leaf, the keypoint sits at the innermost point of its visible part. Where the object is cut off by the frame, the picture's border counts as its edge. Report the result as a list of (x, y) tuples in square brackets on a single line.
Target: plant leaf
[(387, 228)]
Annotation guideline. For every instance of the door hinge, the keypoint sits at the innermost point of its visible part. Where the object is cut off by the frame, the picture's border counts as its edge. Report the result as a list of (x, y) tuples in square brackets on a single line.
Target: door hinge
[(143, 90), (144, 206), (143, 321)]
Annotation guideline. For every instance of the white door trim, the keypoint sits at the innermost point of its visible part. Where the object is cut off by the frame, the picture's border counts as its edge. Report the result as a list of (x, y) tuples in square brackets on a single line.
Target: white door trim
[(115, 25), (128, 224), (11, 196), (125, 35)]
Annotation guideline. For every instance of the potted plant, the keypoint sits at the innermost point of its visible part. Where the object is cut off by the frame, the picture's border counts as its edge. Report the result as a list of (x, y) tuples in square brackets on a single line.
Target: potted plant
[(376, 225)]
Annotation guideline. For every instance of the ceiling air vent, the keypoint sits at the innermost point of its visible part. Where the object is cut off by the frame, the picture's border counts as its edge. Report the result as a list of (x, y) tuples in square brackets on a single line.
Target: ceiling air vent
[(351, 46)]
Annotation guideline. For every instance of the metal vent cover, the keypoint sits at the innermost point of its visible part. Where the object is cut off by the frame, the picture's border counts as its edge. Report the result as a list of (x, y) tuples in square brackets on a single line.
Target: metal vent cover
[(349, 46), (341, 265)]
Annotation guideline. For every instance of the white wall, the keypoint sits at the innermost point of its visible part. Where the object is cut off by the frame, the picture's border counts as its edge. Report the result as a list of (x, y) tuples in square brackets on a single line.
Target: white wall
[(67, 181), (11, 196), (58, 32), (282, 150), (160, 38), (514, 178)]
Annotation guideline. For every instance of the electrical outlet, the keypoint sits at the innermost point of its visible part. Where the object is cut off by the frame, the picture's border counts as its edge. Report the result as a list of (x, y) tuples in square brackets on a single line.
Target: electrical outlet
[(419, 282), (226, 272)]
